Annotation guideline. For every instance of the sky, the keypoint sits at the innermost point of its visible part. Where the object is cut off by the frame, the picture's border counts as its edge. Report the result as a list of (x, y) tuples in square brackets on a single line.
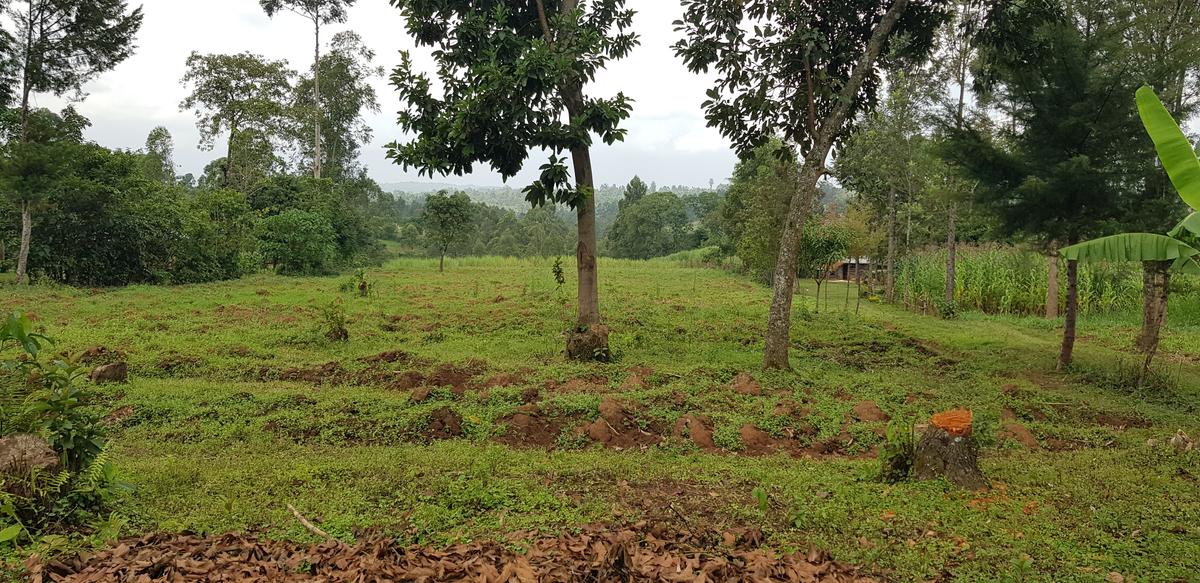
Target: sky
[(668, 141)]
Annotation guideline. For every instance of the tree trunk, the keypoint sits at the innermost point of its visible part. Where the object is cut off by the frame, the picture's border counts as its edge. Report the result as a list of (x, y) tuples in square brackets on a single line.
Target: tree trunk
[(589, 339), (229, 153), (26, 239), (779, 319), (26, 215), (1153, 273), (951, 254), (1066, 355), (846, 303), (442, 262), (1052, 286), (817, 305), (1158, 291), (858, 287), (317, 100), (889, 284)]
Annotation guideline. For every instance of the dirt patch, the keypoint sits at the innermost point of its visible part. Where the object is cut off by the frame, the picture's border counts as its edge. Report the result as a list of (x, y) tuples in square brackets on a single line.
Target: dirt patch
[(420, 395), (531, 428), (389, 357), (177, 362), (100, 355), (445, 423), (530, 395), (744, 384), (1055, 444), (617, 428), (756, 440), (449, 375), (869, 412), (697, 429), (1014, 431), (408, 380), (504, 380), (633, 382), (641, 552)]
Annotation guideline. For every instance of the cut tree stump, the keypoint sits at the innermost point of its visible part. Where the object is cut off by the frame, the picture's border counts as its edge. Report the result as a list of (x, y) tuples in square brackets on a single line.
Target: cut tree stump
[(947, 450)]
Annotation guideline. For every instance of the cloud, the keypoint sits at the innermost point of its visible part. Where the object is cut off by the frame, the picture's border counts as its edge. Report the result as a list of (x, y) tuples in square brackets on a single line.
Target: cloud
[(667, 141)]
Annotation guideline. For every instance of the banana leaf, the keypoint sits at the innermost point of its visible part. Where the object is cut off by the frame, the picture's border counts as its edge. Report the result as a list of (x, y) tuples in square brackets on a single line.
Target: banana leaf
[(1137, 247), (1189, 227), (1176, 152)]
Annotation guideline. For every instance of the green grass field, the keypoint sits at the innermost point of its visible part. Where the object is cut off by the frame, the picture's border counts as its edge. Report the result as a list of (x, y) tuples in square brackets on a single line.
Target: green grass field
[(237, 405)]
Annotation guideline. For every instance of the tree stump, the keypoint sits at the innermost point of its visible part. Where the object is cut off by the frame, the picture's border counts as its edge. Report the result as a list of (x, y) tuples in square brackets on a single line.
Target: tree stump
[(946, 450)]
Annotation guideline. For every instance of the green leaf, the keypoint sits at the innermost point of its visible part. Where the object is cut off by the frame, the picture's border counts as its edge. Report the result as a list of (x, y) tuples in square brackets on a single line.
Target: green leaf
[(1189, 225), (1136, 247), (10, 533), (1176, 152)]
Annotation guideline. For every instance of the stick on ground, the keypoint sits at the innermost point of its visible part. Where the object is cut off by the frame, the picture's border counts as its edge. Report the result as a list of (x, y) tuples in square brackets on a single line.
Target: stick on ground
[(308, 525)]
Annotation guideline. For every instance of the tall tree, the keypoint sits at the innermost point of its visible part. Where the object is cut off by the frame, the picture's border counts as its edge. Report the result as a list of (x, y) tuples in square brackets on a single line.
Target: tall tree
[(513, 77), (347, 65), (634, 191), (160, 156), (55, 47), (236, 93), (447, 220), (802, 71), (319, 12)]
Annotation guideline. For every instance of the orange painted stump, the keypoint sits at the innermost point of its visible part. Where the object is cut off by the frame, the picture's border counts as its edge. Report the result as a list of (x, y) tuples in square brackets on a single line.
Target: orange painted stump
[(947, 450)]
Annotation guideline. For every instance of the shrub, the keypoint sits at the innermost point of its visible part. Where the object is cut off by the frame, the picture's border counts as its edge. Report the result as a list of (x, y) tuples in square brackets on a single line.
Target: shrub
[(298, 242), (61, 474)]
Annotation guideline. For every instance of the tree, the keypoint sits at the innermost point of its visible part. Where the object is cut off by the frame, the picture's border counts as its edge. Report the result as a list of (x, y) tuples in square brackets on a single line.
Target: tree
[(298, 242), (753, 212), (34, 158), (236, 94), (823, 246), (802, 71), (654, 226), (634, 192), (509, 73), (447, 220), (889, 161), (56, 47), (346, 66), (319, 12), (160, 156)]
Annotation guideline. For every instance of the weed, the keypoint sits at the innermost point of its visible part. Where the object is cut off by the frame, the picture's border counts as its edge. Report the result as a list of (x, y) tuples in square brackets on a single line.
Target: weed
[(559, 279), (334, 320), (358, 284), (897, 453)]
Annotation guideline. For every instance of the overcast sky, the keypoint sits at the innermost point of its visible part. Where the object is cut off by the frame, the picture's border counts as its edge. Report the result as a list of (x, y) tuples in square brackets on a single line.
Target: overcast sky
[(667, 142)]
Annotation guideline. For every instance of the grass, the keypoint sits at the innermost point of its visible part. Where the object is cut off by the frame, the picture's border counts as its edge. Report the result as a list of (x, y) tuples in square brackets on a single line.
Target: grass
[(213, 440)]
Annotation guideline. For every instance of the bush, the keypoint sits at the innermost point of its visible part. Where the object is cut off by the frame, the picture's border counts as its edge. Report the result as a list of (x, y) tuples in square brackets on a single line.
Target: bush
[(298, 242)]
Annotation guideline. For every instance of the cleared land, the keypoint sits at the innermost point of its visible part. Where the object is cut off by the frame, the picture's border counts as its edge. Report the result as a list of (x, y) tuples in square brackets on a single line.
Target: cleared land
[(450, 416)]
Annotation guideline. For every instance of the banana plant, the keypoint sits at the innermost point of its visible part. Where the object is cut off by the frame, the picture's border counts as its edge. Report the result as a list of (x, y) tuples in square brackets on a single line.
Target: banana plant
[(1176, 252)]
